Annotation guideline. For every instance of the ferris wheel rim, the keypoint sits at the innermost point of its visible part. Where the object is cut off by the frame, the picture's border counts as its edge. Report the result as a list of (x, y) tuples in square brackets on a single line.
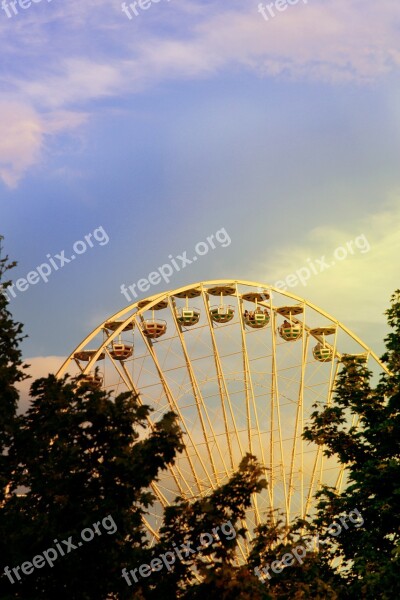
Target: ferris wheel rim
[(150, 301)]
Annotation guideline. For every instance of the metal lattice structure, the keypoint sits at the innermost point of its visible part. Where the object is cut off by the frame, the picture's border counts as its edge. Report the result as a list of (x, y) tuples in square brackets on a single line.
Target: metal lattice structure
[(241, 364)]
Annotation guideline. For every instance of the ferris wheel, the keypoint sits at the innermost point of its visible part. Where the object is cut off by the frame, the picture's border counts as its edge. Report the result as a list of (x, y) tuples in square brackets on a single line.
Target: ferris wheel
[(241, 364)]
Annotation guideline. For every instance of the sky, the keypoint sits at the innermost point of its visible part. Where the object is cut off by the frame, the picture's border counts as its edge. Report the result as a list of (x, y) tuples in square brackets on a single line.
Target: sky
[(149, 133)]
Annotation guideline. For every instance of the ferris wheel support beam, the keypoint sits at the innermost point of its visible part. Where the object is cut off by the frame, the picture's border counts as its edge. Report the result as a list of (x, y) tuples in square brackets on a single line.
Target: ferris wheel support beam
[(130, 384), (250, 399), (199, 399), (304, 361), (339, 481), (248, 383), (152, 426), (334, 369), (299, 420), (222, 389), (175, 407), (278, 414), (157, 537), (248, 391), (245, 542), (159, 494), (150, 528), (274, 383)]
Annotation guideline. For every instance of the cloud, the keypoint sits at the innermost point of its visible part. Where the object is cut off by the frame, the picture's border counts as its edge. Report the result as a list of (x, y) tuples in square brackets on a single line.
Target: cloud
[(99, 54), (324, 41), (79, 81), (20, 142), (23, 135), (356, 288), (319, 41)]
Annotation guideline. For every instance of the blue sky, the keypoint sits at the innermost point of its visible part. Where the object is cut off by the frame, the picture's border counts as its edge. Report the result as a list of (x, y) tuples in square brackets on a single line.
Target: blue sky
[(189, 118)]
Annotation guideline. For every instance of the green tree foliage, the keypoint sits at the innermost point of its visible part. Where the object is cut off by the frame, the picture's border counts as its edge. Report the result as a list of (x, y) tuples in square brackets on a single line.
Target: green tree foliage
[(369, 553), (292, 562), (80, 458), (206, 532), (208, 566), (11, 371)]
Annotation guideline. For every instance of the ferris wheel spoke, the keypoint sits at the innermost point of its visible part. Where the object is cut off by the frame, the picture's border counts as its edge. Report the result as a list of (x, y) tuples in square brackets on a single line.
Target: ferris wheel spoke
[(224, 394), (178, 477), (279, 425), (250, 401), (299, 422), (175, 407), (200, 405)]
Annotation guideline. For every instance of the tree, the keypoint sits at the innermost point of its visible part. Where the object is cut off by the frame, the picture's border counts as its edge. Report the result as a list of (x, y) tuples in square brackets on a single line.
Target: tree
[(11, 372), (81, 460), (198, 556), (292, 561), (369, 552), (199, 541)]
